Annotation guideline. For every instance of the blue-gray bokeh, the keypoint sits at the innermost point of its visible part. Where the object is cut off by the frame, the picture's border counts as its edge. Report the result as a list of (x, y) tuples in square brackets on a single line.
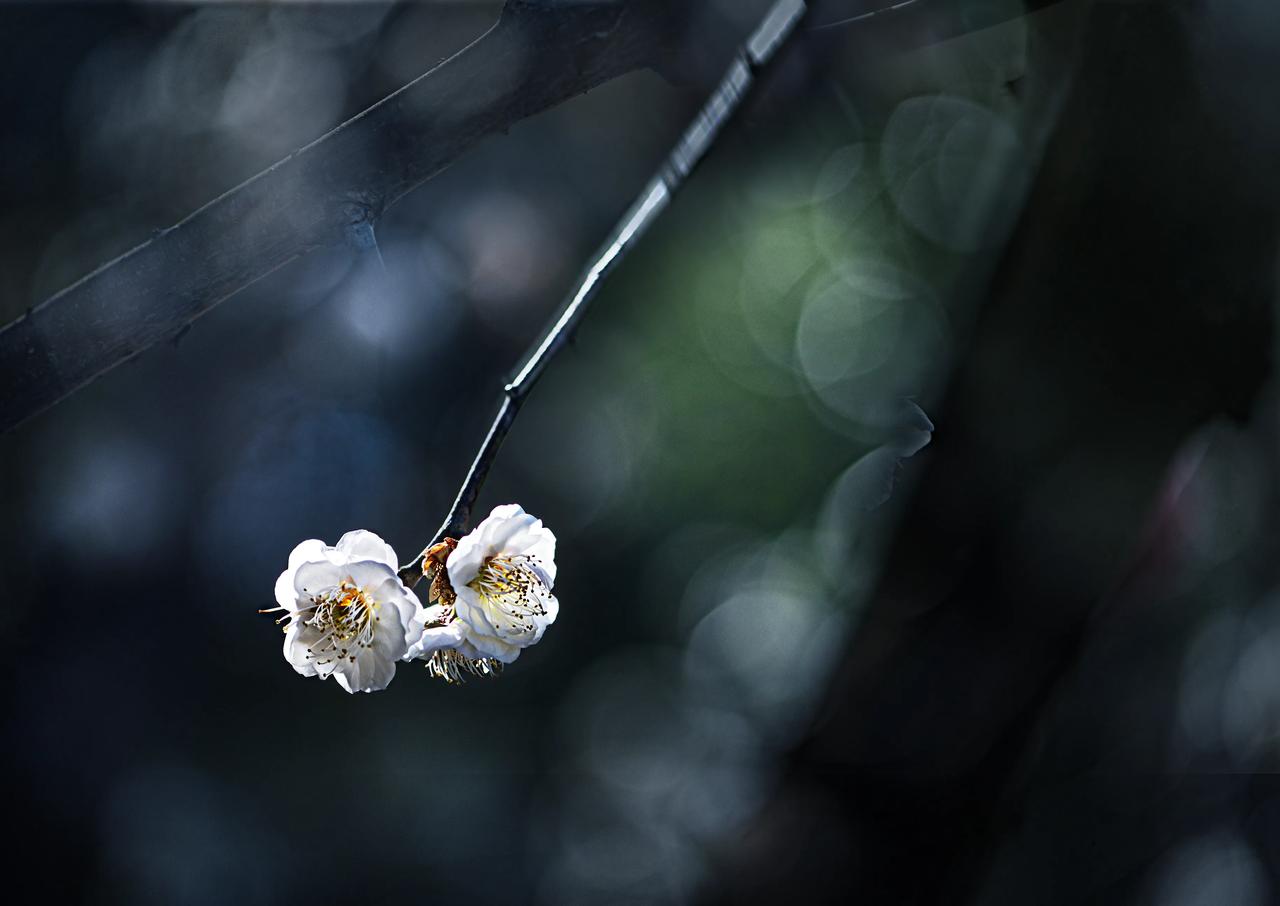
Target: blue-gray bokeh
[(716, 454)]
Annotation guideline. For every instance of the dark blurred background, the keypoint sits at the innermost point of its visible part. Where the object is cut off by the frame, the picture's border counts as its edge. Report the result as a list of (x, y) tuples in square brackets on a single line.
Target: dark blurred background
[(1038, 661)]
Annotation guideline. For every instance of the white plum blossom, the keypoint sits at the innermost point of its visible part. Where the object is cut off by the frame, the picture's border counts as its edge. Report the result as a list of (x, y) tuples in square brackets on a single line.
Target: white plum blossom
[(498, 589), (349, 615)]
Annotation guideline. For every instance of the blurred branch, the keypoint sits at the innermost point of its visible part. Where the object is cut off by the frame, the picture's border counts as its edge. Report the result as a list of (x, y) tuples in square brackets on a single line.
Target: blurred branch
[(777, 26), (536, 56), (333, 191)]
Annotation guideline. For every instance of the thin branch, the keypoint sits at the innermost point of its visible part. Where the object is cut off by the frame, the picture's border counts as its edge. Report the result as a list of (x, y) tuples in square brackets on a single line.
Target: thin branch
[(919, 21), (536, 56), (776, 27), (849, 20)]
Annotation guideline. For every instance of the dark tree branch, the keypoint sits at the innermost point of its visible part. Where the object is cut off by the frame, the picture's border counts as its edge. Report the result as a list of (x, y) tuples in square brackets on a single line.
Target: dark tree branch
[(776, 27)]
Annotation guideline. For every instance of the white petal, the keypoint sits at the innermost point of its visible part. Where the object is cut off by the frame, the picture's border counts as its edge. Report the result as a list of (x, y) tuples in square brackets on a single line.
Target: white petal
[(535, 541), (371, 575), (399, 619), (400, 625), (505, 511), (489, 646), (295, 649), (467, 650), (372, 669), (504, 523), (416, 627), (308, 551), (369, 673), (413, 616), (542, 622), (344, 681), (507, 531), (286, 597), (471, 610), (544, 568), (491, 535), (451, 635), (465, 560), (310, 578), (363, 545)]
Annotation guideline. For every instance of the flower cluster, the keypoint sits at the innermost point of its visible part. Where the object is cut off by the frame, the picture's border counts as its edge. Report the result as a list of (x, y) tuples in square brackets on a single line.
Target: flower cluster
[(348, 615)]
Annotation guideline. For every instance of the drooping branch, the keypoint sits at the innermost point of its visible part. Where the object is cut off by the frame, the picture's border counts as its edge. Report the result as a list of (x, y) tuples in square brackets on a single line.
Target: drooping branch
[(536, 56), (777, 26)]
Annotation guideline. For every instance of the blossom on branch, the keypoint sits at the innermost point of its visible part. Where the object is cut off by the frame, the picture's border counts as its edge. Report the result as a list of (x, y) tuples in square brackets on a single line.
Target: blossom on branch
[(349, 615), (494, 585)]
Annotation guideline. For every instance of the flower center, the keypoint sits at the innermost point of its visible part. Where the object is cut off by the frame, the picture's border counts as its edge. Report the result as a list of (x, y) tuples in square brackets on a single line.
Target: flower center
[(513, 589), (345, 616)]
